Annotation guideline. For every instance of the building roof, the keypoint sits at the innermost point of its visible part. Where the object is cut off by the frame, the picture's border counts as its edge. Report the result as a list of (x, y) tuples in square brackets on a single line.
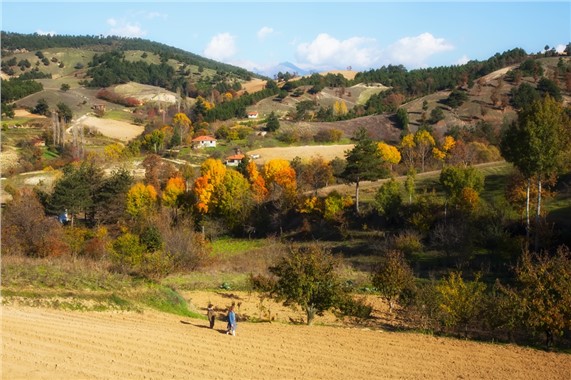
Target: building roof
[(204, 138), (235, 157)]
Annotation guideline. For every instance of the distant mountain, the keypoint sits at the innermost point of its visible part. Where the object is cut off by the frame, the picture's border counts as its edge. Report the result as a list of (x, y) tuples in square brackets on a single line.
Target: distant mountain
[(283, 67)]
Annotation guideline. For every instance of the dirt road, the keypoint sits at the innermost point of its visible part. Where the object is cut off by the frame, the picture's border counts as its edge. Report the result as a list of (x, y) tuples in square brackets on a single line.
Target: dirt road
[(50, 344)]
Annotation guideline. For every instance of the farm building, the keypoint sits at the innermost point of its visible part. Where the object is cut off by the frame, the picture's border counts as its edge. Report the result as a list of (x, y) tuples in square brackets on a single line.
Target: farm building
[(234, 160), (204, 142), (252, 115)]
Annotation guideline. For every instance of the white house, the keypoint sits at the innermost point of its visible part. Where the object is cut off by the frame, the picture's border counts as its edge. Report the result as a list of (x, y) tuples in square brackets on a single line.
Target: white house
[(234, 160), (253, 115), (204, 142)]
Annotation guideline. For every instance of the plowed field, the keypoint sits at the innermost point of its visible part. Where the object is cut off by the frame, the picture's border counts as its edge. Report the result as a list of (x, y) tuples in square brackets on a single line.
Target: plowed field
[(42, 343)]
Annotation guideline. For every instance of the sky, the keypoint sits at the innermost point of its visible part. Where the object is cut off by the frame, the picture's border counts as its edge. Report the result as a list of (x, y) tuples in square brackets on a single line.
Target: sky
[(314, 36)]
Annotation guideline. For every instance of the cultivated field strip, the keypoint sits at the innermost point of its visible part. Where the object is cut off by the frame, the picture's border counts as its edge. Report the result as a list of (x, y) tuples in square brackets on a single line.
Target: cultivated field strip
[(51, 344)]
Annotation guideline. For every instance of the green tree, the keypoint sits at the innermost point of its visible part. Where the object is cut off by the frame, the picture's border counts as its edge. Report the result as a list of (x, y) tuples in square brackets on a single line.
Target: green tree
[(388, 199), (64, 112), (42, 107), (392, 278), (455, 179), (65, 87), (75, 191), (273, 124), (536, 144), (456, 98), (364, 163), (307, 277), (402, 119)]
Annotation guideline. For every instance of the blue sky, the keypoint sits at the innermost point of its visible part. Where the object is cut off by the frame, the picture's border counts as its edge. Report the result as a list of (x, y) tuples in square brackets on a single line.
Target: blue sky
[(315, 36)]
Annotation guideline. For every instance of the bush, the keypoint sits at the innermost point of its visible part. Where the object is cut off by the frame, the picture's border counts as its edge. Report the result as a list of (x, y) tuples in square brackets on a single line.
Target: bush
[(352, 307), (408, 242)]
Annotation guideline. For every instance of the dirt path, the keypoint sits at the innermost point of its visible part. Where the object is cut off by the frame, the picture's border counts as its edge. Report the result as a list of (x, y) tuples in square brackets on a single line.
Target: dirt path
[(51, 344)]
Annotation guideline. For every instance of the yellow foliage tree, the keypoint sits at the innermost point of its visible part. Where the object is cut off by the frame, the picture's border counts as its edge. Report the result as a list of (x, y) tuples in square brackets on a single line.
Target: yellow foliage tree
[(424, 144), (203, 189), (389, 153), (278, 174), (114, 151), (257, 182), (340, 108), (175, 187), (181, 122), (407, 147), (141, 200)]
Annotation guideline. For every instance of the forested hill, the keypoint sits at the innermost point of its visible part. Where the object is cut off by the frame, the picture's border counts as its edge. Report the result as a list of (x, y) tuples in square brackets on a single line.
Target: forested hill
[(12, 41)]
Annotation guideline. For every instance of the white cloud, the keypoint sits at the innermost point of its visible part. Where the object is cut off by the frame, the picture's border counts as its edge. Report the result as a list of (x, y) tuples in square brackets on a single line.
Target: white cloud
[(326, 51), (154, 15), (560, 48), (52, 33), (414, 51), (221, 47), (124, 29), (264, 32), (463, 60)]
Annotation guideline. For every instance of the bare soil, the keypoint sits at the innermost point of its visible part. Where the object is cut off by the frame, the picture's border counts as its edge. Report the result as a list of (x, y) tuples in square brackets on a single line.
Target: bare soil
[(116, 129), (41, 343), (328, 152)]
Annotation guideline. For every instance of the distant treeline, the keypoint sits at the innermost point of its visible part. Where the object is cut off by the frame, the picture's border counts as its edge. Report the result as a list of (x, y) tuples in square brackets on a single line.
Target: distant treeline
[(419, 82), (12, 41), (17, 89)]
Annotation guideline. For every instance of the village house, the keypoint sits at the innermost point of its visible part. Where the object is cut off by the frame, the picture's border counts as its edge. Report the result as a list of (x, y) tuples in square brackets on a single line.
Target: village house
[(203, 142), (252, 115), (234, 160)]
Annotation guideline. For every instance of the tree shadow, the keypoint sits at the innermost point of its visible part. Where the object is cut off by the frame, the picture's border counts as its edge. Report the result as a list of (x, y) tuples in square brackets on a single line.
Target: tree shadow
[(221, 331)]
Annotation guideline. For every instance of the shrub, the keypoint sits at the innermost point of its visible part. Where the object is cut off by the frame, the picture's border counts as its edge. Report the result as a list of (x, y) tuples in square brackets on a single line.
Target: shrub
[(408, 242), (355, 307)]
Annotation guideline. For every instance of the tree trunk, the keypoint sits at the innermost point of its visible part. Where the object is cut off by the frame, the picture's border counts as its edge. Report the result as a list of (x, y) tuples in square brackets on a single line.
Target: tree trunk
[(527, 211), (310, 310), (537, 213), (357, 196)]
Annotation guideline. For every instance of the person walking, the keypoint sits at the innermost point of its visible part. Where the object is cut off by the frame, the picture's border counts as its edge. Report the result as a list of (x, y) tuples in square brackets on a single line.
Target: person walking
[(211, 316), (231, 329)]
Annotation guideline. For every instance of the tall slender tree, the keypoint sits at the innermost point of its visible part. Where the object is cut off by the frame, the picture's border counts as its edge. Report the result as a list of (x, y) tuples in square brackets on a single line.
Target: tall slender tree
[(536, 144), (364, 163)]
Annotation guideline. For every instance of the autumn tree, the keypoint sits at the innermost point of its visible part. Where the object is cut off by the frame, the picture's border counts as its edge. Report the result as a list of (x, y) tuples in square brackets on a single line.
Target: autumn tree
[(173, 190), (257, 182), (389, 154), (183, 126), (544, 292), (233, 198), (424, 143), (536, 144), (316, 173), (212, 175), (388, 199), (141, 200), (408, 149), (392, 277), (461, 301), (280, 179), (364, 163), (26, 230), (339, 108)]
